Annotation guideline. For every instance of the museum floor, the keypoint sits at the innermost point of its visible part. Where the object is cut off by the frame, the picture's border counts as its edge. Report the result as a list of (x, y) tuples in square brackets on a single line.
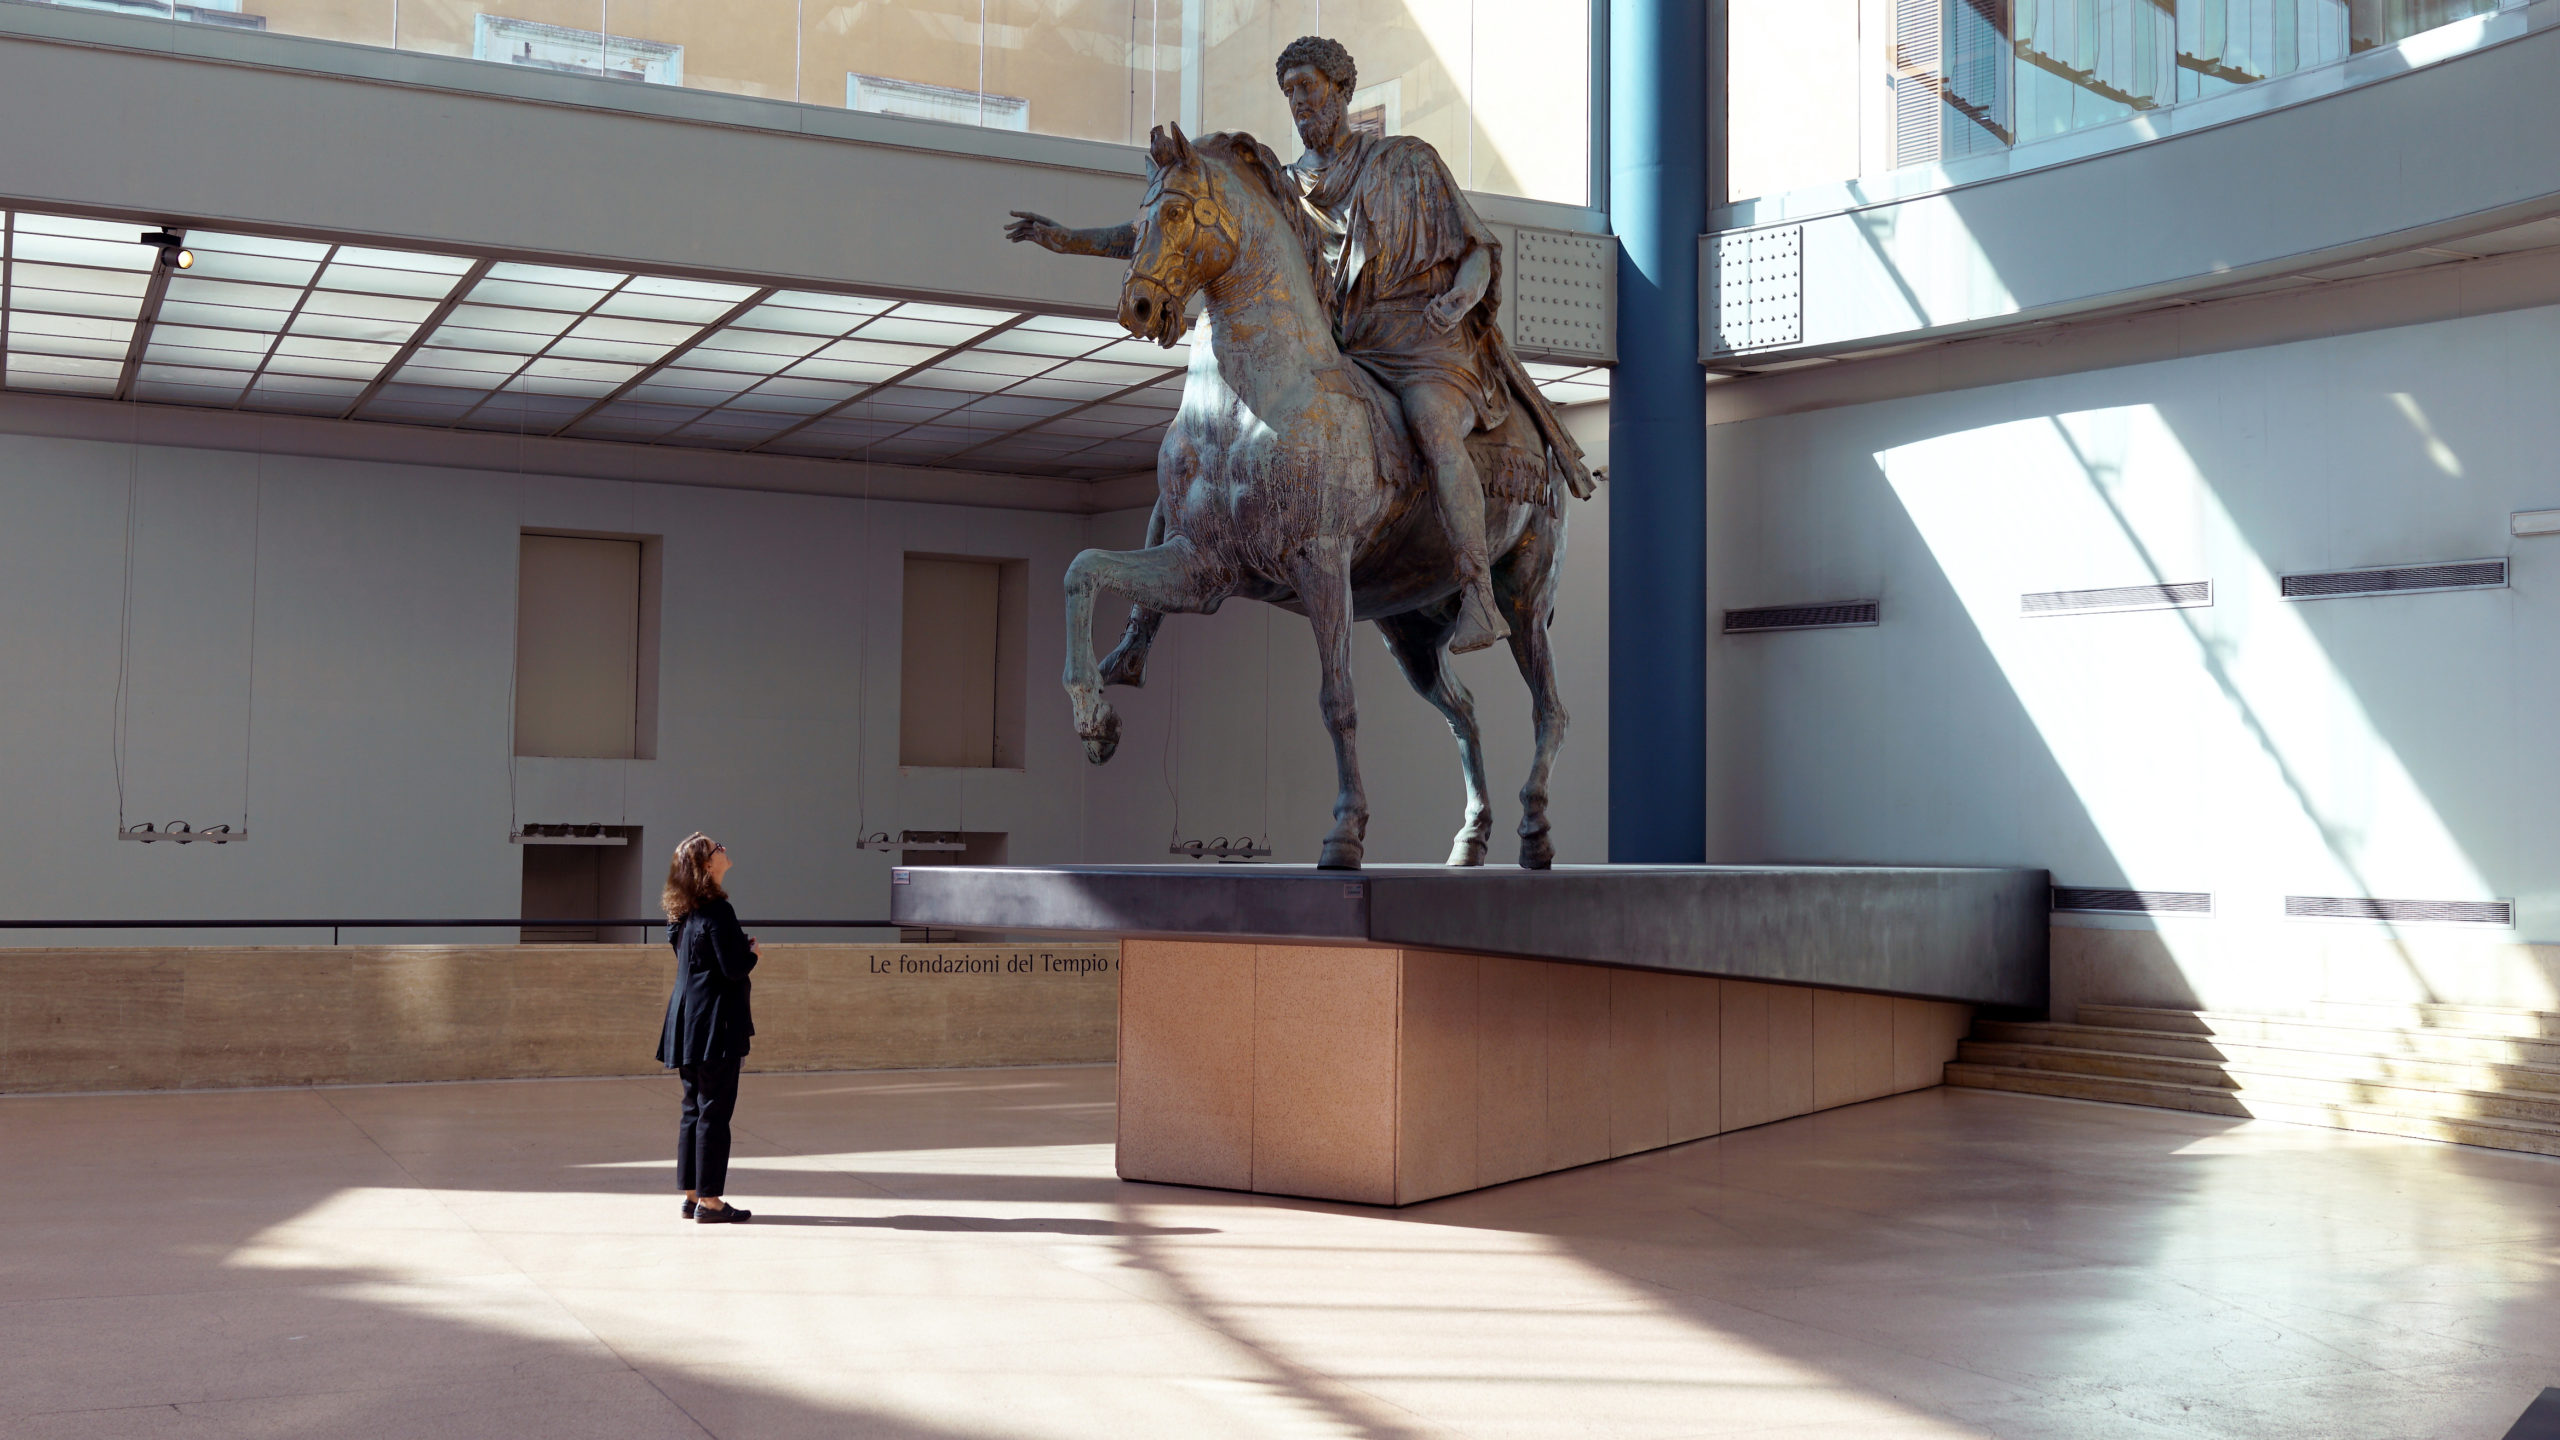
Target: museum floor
[(946, 1254)]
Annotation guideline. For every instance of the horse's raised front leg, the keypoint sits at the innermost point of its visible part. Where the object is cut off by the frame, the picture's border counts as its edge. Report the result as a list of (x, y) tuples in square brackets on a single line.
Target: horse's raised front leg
[(1322, 577), (1160, 578), (1127, 662), (1526, 587), (1416, 638)]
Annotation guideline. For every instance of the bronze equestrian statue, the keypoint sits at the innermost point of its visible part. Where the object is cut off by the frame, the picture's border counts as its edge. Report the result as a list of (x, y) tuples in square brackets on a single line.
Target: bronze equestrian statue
[(1356, 440)]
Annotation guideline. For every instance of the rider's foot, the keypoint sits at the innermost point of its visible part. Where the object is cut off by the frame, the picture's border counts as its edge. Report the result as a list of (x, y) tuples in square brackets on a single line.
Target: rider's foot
[(1480, 621)]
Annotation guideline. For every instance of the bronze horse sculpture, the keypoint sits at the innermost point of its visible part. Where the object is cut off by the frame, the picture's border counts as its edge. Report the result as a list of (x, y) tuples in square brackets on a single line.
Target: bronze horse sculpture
[(1288, 477)]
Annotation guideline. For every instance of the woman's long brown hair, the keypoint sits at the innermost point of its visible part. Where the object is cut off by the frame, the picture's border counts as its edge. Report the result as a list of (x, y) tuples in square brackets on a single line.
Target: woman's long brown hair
[(689, 882)]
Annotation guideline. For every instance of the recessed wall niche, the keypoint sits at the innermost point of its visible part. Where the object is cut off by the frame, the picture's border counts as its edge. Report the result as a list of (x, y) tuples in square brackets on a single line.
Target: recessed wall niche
[(960, 662), (587, 645)]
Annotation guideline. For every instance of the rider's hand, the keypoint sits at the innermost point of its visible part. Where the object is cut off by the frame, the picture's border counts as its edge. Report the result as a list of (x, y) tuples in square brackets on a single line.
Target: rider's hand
[(1040, 230), (1444, 313)]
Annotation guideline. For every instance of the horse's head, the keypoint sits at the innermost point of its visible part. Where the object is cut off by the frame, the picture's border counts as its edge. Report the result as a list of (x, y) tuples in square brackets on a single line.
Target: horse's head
[(1188, 233)]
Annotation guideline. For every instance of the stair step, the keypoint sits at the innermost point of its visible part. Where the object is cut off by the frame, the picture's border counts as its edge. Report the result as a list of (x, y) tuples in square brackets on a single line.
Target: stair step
[(2476, 1019), (2498, 1134), (2337, 1036), (2285, 1085), (2026, 1044)]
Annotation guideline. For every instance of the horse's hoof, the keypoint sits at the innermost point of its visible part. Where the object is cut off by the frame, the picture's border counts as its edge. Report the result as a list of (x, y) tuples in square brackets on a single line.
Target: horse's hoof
[(1340, 855), (1104, 742), (1121, 667), (1469, 849), (1537, 852)]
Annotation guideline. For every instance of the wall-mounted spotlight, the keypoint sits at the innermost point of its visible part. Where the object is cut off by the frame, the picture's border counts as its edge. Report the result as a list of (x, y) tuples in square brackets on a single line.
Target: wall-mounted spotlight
[(174, 254)]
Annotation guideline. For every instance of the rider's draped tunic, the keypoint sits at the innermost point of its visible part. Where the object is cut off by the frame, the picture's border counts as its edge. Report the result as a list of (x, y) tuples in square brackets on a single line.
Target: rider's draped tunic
[(1392, 228)]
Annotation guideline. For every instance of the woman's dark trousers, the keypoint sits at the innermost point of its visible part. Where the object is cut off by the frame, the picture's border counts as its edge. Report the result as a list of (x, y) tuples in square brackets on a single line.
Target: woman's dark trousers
[(702, 1132)]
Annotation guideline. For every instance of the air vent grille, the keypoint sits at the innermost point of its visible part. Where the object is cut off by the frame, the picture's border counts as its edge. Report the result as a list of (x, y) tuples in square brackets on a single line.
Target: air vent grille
[(2397, 580), (2358, 907), (2132, 902), (1832, 616), (2184, 595)]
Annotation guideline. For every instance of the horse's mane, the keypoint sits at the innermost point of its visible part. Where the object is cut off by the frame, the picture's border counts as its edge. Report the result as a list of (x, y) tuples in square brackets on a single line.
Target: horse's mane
[(1255, 160)]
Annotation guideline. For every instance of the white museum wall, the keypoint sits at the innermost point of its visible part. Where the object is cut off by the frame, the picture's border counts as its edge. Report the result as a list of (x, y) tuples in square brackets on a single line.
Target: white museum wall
[(2257, 748), (362, 731)]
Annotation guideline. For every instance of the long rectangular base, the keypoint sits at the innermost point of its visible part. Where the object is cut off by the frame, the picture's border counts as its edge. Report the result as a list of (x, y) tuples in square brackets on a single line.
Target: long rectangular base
[(1384, 1076)]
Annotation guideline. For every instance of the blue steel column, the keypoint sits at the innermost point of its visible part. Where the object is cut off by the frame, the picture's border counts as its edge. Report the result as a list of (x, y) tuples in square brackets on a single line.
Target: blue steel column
[(1657, 83)]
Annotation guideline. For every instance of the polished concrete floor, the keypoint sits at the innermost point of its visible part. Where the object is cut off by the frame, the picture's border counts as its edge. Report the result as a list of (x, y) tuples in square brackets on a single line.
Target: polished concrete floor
[(946, 1254)]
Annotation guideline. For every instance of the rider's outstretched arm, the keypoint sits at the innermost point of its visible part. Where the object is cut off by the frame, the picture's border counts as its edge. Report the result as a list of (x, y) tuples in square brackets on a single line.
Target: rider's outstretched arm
[(1112, 242)]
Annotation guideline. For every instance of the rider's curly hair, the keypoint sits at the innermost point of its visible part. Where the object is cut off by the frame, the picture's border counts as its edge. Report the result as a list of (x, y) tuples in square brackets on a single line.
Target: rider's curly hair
[(1328, 56)]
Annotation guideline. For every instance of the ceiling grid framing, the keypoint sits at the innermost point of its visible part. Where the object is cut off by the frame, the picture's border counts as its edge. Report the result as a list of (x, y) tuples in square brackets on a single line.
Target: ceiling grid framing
[(340, 329)]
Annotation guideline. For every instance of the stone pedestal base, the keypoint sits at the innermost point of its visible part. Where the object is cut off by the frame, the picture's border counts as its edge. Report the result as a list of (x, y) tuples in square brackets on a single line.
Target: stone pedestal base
[(1385, 1076)]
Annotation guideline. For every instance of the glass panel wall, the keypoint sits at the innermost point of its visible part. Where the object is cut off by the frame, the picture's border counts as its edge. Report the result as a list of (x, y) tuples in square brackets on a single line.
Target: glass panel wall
[(1107, 70), (1829, 90)]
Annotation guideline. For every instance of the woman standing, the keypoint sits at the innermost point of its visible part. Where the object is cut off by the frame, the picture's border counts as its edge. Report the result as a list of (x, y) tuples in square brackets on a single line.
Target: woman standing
[(705, 1037)]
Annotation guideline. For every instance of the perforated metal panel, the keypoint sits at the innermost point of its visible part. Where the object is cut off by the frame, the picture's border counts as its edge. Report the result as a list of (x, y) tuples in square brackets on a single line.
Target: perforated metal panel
[(2360, 907), (2099, 901), (1755, 289), (2396, 580), (1564, 295), (1838, 614), (2187, 594)]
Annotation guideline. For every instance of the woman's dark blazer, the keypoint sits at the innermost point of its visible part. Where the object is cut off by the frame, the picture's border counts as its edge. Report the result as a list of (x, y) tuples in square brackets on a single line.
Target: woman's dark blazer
[(707, 1016)]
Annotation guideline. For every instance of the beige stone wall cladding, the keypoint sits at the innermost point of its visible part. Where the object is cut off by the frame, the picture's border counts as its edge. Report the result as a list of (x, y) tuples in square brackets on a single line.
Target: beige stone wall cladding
[(164, 1019), (2289, 967), (1389, 1076)]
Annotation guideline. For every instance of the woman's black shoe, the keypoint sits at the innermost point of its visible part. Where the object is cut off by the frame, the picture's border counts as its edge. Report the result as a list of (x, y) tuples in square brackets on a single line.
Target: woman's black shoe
[(725, 1215), (688, 1209)]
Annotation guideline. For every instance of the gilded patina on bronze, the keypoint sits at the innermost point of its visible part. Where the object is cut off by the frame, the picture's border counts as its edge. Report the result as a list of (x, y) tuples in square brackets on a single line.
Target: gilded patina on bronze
[(1356, 440)]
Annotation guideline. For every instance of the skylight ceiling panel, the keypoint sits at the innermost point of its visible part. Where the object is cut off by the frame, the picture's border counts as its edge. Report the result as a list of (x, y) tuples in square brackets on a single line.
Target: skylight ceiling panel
[(315, 368), (1022, 406), (1023, 340), (419, 402), (716, 292), (1050, 388), (524, 410), (91, 254), (855, 373), (590, 390), (223, 317), (454, 265), (82, 327), (354, 351), (995, 362), (27, 222), (1123, 412), (515, 320), (89, 347), (935, 333), (708, 436), (511, 271), (662, 392), (764, 400), (611, 352), (561, 368), (388, 308), (658, 334), (1076, 325), (822, 300), (206, 396), (341, 327), (1146, 353), (201, 337), (954, 314), (194, 375), (556, 299), (472, 361), (253, 269), (693, 377), (739, 340), (976, 382), (673, 309), (274, 246), (68, 373), (1085, 427), (863, 350), (488, 342), (829, 323), (1099, 373), (795, 382), (637, 412), (381, 280)]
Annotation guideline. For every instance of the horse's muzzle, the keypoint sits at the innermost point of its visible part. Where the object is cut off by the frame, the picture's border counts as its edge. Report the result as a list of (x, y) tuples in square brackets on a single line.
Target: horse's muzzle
[(1149, 312)]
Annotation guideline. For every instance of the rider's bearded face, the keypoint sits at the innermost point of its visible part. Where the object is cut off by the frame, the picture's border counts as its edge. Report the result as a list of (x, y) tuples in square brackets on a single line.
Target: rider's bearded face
[(1315, 103)]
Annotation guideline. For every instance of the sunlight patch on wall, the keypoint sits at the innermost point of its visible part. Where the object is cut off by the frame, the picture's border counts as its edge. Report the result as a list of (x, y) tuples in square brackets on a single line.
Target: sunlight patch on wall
[(2214, 748)]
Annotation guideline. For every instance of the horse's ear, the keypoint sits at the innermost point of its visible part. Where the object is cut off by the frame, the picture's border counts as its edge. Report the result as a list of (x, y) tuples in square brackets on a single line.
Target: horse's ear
[(1181, 142), (1165, 151)]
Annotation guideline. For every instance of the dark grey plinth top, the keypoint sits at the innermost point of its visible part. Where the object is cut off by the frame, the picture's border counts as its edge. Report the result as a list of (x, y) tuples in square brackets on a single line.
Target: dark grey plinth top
[(1975, 935)]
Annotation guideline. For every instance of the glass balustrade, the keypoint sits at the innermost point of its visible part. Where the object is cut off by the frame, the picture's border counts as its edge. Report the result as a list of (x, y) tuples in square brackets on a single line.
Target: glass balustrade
[(1830, 90), (1107, 70)]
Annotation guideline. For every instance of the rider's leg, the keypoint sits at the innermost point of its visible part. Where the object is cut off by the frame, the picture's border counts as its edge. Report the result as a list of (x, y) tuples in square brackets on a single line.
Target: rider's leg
[(1441, 418)]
